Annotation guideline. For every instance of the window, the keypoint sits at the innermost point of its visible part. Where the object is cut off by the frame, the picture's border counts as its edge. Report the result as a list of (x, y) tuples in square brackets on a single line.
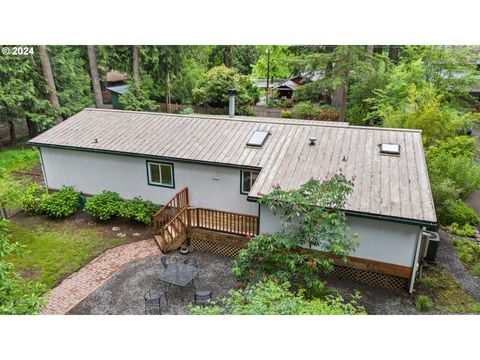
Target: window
[(391, 149), (247, 179), (258, 138), (160, 174)]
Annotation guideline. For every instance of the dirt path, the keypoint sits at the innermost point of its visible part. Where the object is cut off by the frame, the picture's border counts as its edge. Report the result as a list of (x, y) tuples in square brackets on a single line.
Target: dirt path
[(447, 259), (79, 285)]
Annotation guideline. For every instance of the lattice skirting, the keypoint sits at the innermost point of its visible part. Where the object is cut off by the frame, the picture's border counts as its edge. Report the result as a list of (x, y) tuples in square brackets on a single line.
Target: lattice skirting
[(361, 276), (215, 248), (370, 278)]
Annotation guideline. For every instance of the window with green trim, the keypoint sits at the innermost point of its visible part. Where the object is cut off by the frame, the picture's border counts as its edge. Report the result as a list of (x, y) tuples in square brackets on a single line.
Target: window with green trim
[(160, 174), (247, 179)]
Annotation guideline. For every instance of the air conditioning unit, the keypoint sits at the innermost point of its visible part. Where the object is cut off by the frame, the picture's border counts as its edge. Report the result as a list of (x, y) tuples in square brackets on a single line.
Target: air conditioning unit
[(432, 247)]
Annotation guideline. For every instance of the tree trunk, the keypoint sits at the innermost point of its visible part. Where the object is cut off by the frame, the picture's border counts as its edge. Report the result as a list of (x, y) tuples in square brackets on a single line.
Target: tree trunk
[(136, 66), (344, 92), (393, 52), (167, 91), (48, 75), (13, 133), (370, 50), (97, 91), (32, 128), (227, 55)]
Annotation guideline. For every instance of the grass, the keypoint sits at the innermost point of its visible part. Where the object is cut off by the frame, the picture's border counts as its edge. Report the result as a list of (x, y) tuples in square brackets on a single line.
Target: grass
[(57, 250), (445, 294), (18, 160)]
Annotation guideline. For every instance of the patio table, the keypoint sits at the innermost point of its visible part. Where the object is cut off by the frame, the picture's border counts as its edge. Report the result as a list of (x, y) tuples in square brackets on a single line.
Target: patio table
[(178, 274)]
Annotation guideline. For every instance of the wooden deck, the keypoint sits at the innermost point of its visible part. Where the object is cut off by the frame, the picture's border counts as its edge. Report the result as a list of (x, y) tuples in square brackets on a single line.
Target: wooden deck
[(176, 220)]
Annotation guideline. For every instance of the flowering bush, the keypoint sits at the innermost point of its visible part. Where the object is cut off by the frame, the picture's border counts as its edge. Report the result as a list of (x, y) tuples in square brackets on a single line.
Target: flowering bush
[(328, 115), (311, 218)]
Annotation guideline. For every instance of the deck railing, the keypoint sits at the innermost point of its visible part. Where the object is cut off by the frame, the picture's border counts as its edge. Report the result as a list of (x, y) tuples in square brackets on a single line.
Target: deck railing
[(227, 222), (172, 208)]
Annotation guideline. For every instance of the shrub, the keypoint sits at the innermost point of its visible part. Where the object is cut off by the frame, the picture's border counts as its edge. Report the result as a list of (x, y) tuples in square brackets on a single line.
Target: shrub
[(307, 110), (462, 214), (468, 252), (459, 146), (328, 115), (424, 303), (186, 111), (33, 198), (104, 206), (286, 102), (269, 297), (138, 209), (286, 114), (465, 230), (61, 204)]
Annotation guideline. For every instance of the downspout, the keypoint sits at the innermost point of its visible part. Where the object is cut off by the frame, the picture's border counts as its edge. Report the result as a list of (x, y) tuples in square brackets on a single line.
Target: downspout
[(416, 261), (42, 166)]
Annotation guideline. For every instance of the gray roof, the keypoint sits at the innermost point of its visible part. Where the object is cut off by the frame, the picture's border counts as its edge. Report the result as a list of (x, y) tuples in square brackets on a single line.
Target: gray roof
[(120, 89), (390, 186)]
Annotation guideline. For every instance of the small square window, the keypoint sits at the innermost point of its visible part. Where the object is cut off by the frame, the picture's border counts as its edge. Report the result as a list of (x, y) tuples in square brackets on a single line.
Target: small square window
[(160, 174), (392, 149), (247, 178)]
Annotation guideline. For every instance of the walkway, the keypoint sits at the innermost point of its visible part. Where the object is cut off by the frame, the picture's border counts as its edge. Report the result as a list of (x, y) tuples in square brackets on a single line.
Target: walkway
[(79, 285), (447, 258)]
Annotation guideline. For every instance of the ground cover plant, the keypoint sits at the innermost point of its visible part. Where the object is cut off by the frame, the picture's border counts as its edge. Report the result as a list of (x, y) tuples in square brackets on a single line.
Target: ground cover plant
[(469, 254), (16, 296), (446, 295), (269, 297), (18, 160)]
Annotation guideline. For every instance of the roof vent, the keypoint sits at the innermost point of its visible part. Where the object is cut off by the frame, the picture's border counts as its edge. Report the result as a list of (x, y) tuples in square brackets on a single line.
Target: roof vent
[(312, 140), (390, 149), (258, 138)]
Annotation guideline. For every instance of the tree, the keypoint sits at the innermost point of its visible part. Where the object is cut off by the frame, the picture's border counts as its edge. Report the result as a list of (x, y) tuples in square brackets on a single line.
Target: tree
[(213, 89), (280, 62), (268, 297), (136, 65), (137, 98), (337, 63), (312, 219), (23, 94), (48, 74), (10, 193), (92, 60)]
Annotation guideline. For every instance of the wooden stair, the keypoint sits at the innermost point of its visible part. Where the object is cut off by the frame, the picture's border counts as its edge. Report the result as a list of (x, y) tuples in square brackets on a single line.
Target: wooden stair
[(171, 222)]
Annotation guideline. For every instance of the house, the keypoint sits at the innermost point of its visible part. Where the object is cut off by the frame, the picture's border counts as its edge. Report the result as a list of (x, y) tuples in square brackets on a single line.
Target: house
[(286, 88), (115, 93), (209, 171), (112, 78)]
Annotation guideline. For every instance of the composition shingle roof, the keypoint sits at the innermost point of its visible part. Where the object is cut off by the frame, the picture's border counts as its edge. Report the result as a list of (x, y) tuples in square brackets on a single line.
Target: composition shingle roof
[(385, 185)]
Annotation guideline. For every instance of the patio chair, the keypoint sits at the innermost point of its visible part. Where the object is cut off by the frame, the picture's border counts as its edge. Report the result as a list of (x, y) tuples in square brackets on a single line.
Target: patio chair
[(201, 297), (154, 301), (191, 261), (163, 260)]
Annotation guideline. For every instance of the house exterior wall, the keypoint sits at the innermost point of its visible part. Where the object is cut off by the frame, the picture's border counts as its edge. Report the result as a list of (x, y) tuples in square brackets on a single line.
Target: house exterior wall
[(213, 187), (380, 240)]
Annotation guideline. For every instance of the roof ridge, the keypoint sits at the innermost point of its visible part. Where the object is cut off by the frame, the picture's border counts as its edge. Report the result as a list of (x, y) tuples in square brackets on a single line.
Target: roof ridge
[(243, 118)]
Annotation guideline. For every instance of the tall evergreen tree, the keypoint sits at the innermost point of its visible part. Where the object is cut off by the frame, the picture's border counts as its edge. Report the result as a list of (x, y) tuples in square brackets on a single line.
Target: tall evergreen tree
[(92, 60)]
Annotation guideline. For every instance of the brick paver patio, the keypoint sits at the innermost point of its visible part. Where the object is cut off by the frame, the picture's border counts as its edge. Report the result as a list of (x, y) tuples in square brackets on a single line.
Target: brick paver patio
[(79, 285)]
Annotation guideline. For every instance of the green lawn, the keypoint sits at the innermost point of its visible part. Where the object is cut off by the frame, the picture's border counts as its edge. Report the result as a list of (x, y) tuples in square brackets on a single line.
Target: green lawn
[(55, 250), (18, 159)]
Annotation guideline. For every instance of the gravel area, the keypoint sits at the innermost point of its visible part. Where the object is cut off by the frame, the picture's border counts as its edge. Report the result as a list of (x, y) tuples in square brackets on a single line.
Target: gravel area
[(123, 293), (447, 259)]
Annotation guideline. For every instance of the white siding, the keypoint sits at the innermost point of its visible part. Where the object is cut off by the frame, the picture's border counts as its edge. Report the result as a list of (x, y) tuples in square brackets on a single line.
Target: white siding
[(209, 186), (380, 240)]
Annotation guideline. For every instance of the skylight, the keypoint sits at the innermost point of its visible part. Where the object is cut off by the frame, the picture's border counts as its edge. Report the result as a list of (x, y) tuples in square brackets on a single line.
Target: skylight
[(258, 138), (390, 149)]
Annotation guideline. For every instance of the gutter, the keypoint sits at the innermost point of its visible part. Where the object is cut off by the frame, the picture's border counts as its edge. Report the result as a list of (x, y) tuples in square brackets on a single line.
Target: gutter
[(415, 264), (144, 156), (428, 224)]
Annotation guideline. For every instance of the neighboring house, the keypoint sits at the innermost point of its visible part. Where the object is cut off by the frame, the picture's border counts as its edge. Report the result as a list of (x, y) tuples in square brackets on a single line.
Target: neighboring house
[(115, 92), (227, 164), (112, 78), (286, 88)]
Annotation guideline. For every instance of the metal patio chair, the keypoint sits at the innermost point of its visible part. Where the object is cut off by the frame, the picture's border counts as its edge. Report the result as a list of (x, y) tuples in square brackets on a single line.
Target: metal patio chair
[(201, 297), (153, 301)]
